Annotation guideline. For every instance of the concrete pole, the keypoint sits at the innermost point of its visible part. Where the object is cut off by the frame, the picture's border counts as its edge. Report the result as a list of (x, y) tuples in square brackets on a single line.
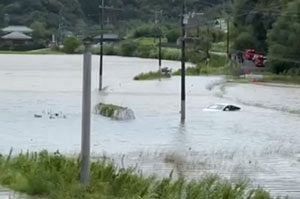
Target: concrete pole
[(86, 116)]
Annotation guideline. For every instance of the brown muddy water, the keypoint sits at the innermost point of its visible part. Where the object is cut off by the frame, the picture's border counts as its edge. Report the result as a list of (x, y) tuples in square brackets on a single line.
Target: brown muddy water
[(261, 142)]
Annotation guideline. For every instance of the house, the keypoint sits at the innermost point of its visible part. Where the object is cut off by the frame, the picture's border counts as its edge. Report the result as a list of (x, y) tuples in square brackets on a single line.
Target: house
[(15, 37), (108, 37), (21, 29)]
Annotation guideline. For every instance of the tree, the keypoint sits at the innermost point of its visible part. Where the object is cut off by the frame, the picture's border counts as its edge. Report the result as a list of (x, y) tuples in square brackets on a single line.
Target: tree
[(40, 34), (283, 40), (256, 18), (71, 44), (172, 35)]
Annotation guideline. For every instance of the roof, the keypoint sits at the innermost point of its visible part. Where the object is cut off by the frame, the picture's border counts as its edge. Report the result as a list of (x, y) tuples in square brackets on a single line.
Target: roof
[(108, 37), (16, 36), (23, 29)]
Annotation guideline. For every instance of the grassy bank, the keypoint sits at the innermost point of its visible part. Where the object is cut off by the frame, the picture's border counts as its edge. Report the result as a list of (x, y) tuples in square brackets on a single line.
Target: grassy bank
[(268, 78), (45, 51), (56, 176), (151, 76), (216, 66), (282, 79)]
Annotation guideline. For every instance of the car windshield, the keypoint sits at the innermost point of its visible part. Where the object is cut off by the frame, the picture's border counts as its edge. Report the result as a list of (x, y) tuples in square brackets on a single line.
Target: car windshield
[(217, 106)]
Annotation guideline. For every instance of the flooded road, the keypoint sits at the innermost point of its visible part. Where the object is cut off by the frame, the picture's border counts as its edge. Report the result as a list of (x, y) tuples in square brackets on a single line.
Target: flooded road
[(260, 142)]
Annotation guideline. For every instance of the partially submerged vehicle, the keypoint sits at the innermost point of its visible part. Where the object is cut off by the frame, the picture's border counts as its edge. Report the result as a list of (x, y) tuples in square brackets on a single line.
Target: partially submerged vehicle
[(222, 107)]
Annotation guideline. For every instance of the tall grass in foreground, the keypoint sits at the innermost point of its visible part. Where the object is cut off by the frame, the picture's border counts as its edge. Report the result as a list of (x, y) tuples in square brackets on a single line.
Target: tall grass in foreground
[(56, 176)]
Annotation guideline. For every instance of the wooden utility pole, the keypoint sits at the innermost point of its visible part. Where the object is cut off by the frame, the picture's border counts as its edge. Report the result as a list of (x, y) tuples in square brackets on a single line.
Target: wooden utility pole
[(228, 38), (183, 37), (86, 114), (101, 16), (158, 15)]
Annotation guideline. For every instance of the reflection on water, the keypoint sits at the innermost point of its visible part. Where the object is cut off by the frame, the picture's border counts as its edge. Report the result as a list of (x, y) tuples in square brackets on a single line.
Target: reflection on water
[(259, 143)]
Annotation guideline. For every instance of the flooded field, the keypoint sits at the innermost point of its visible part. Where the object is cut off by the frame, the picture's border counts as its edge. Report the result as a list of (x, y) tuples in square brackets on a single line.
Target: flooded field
[(261, 142)]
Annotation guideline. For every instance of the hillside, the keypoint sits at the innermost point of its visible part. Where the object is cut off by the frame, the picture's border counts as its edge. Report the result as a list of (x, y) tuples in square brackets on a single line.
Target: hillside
[(76, 15)]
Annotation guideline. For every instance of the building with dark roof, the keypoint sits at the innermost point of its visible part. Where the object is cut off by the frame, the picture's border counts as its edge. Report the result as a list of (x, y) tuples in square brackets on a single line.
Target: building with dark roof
[(15, 37), (22, 29)]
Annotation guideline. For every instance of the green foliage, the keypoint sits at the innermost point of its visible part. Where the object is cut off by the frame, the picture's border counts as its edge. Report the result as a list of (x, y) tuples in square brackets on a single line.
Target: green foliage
[(219, 47), (71, 44), (107, 110), (146, 31), (172, 35), (216, 65), (284, 43), (146, 48), (171, 54), (40, 33), (252, 20), (50, 13), (151, 76), (244, 41), (128, 48), (283, 78), (55, 176)]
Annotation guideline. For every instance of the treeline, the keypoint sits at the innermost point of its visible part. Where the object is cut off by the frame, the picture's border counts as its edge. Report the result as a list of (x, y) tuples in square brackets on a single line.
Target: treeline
[(81, 16), (271, 27)]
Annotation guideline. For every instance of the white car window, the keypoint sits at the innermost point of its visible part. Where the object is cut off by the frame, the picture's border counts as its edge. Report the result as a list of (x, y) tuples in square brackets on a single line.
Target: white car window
[(216, 106)]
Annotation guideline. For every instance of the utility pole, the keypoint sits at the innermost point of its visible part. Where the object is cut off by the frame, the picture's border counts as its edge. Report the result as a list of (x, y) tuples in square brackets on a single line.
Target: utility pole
[(101, 16), (228, 38), (86, 114), (158, 15), (184, 21), (101, 21)]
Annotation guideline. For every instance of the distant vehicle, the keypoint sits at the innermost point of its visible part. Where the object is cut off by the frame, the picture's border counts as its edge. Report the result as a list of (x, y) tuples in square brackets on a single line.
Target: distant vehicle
[(259, 60), (249, 54), (222, 107)]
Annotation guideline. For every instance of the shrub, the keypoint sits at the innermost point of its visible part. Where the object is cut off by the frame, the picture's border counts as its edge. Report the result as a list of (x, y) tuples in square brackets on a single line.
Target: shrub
[(128, 48), (151, 76), (71, 44), (146, 31), (172, 35), (243, 41)]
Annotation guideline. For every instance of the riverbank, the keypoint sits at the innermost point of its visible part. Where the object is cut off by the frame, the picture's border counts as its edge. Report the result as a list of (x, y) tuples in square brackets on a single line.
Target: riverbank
[(56, 176), (216, 66), (267, 78), (44, 51)]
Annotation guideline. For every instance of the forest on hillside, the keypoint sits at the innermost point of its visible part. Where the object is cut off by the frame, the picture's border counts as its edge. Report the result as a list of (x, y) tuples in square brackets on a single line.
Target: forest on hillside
[(270, 26)]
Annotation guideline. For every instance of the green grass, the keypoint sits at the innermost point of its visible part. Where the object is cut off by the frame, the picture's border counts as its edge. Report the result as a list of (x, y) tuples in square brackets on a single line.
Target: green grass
[(150, 76), (107, 110), (282, 79), (56, 176), (45, 51), (217, 66), (271, 78), (219, 47)]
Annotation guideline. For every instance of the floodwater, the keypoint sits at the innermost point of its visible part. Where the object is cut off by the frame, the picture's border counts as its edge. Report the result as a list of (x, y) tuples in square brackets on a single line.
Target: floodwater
[(261, 142)]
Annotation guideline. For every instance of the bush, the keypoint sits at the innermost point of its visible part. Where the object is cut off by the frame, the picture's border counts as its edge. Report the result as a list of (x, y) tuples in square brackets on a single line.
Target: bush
[(172, 35), (71, 44), (171, 53), (110, 50), (283, 40), (144, 49), (244, 41), (128, 48), (151, 76), (146, 31)]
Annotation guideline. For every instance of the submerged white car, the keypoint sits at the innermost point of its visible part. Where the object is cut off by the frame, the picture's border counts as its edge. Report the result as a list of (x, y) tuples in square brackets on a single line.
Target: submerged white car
[(222, 107)]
